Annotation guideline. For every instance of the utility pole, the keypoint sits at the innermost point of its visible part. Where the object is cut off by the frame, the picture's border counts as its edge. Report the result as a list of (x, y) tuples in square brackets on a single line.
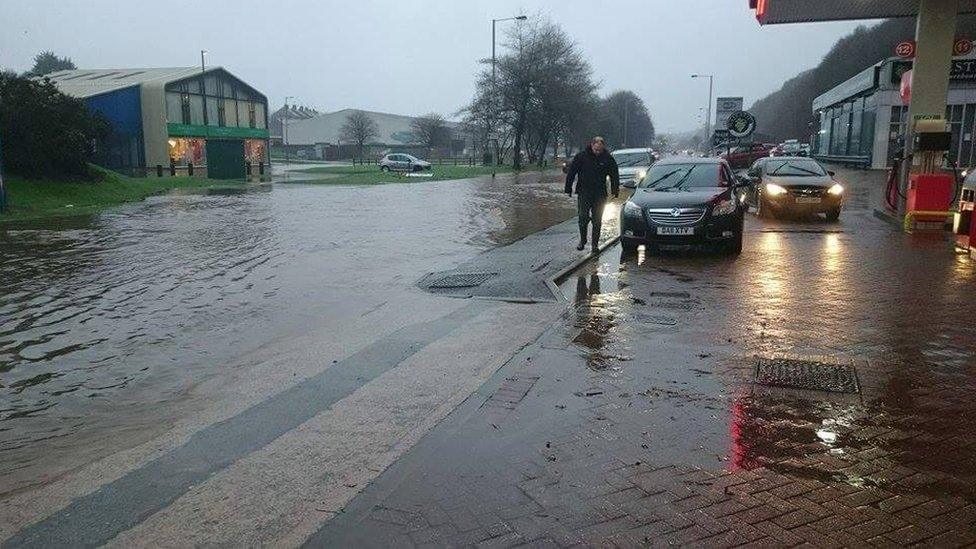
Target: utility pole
[(491, 121), (708, 124), (284, 128)]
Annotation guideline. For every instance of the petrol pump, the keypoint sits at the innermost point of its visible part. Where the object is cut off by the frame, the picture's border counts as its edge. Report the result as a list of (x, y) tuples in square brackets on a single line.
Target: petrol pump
[(930, 191), (963, 224)]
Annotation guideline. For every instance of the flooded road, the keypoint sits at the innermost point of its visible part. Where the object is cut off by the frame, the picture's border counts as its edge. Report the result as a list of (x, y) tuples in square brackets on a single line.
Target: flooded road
[(107, 321)]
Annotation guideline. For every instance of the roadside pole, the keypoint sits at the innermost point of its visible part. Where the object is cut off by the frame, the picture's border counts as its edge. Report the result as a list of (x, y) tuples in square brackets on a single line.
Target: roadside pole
[(3, 186)]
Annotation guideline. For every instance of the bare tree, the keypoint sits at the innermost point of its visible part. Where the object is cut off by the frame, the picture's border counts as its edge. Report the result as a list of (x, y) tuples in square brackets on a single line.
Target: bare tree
[(430, 130), (627, 122), (359, 129), (542, 92)]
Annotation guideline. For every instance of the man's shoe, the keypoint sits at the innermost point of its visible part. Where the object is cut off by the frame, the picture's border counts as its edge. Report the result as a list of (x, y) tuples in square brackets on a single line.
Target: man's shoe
[(595, 250), (580, 246)]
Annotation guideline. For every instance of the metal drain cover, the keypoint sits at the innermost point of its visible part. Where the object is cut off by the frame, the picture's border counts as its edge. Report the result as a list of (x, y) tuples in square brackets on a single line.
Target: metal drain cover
[(462, 280), (807, 374), (655, 319)]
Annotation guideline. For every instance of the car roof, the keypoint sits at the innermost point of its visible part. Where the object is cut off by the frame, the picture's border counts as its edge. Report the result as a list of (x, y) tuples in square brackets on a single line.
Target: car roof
[(789, 158), (688, 160), (641, 150)]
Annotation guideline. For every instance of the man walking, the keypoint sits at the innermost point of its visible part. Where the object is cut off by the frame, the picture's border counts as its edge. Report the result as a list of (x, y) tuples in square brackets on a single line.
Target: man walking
[(593, 166)]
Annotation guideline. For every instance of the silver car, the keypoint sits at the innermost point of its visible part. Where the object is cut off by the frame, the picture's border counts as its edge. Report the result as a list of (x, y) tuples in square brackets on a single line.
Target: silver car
[(633, 165), (399, 162)]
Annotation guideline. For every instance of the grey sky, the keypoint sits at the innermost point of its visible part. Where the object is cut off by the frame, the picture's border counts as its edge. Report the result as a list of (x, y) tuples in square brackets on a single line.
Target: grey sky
[(411, 57)]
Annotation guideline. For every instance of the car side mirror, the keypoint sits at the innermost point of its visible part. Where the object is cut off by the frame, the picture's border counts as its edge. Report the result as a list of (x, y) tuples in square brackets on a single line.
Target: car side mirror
[(831, 173), (630, 184)]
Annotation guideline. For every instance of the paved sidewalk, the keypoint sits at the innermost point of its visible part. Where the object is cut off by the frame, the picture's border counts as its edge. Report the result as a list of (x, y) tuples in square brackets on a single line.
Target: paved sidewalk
[(637, 419)]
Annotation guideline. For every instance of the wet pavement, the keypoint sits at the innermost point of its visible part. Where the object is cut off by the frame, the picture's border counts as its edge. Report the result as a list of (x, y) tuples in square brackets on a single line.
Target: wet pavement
[(113, 327), (654, 412)]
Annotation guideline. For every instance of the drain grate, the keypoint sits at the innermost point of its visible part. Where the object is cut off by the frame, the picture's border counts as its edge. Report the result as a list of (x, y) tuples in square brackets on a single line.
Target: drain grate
[(462, 280), (807, 374), (655, 319)]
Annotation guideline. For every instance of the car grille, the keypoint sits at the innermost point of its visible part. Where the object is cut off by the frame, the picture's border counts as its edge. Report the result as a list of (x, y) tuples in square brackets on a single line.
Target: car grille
[(686, 216), (806, 190)]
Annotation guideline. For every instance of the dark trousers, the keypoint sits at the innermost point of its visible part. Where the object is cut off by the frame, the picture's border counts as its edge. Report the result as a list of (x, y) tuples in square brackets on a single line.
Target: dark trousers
[(591, 211)]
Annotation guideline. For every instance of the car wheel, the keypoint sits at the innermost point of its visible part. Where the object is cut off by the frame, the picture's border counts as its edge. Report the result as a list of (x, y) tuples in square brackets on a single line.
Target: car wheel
[(384, 168), (762, 208), (416, 168), (629, 246), (833, 215)]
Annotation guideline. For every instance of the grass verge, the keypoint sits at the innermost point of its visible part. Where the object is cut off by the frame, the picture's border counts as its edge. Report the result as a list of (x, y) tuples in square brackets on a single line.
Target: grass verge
[(40, 198), (371, 174)]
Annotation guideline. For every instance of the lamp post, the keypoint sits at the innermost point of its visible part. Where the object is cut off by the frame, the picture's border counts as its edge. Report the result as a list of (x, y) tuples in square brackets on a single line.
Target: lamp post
[(708, 124), (493, 63), (284, 128)]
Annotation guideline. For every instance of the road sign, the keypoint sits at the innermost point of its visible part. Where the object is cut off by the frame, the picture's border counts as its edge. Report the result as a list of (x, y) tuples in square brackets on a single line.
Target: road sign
[(905, 49), (741, 124), (724, 107), (962, 46)]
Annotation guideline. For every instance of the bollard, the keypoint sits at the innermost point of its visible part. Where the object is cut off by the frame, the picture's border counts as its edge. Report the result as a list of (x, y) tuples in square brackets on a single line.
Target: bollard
[(247, 168), (189, 169), (159, 170), (172, 169), (261, 168)]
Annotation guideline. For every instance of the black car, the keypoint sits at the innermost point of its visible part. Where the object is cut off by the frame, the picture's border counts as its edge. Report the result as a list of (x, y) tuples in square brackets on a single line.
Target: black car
[(793, 184), (684, 201)]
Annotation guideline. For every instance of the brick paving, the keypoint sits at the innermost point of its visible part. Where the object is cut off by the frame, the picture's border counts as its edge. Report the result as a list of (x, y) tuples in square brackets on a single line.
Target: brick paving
[(613, 431)]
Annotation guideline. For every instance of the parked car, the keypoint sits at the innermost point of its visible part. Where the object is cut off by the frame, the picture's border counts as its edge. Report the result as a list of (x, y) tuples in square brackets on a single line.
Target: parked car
[(790, 147), (399, 162), (633, 165), (792, 184), (742, 156), (684, 201)]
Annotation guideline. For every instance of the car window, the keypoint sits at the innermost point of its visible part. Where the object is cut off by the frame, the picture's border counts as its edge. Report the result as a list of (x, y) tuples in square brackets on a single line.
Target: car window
[(629, 160), (796, 168), (682, 176)]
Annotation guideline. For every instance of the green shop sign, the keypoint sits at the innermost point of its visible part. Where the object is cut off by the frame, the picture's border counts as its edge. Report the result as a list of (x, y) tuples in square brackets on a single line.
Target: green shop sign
[(219, 132)]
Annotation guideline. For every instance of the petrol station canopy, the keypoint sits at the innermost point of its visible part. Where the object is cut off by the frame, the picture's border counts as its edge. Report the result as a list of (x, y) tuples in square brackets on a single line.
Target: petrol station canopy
[(773, 12)]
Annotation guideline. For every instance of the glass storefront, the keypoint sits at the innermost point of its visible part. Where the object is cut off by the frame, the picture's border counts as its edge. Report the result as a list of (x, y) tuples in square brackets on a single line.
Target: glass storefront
[(187, 150), (847, 129), (217, 100), (255, 151)]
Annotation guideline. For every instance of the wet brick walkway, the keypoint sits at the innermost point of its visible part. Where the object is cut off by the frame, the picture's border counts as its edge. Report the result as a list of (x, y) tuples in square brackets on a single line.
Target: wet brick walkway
[(635, 421)]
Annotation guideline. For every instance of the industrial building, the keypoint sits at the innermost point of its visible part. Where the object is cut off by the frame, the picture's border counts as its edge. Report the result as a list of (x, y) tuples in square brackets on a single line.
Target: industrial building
[(182, 120), (863, 119)]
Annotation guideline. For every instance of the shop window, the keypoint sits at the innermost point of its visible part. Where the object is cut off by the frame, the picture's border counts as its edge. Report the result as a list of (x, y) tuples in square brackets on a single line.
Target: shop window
[(242, 114), (196, 109), (251, 115), (255, 151), (230, 113), (184, 150), (213, 117), (261, 119), (174, 107), (185, 107)]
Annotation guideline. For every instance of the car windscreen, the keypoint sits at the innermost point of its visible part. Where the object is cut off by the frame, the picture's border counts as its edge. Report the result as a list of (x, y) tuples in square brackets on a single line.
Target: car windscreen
[(795, 168), (682, 176), (629, 160)]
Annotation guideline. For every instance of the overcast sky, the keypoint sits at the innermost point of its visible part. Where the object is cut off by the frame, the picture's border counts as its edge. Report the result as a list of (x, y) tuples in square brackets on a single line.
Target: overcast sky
[(414, 56)]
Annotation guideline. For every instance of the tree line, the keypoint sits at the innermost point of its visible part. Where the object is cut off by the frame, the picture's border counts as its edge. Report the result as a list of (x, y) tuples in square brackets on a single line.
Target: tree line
[(540, 94)]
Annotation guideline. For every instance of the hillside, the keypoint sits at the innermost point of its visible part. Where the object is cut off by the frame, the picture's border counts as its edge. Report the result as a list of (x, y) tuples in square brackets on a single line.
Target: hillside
[(786, 113)]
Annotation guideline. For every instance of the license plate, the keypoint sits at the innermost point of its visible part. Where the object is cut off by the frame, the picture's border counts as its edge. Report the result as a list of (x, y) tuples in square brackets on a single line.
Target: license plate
[(676, 231), (807, 200)]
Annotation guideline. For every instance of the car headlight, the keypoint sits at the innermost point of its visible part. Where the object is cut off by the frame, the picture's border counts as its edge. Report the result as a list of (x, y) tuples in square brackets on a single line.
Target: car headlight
[(724, 207), (631, 209), (641, 175), (772, 189), (836, 190)]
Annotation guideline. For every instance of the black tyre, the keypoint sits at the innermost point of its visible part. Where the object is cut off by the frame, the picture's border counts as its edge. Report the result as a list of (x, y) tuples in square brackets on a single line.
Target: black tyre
[(384, 168), (762, 208), (417, 168), (833, 215)]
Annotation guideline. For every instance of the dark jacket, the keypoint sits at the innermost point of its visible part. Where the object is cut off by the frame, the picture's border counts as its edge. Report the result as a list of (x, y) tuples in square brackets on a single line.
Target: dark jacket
[(593, 170)]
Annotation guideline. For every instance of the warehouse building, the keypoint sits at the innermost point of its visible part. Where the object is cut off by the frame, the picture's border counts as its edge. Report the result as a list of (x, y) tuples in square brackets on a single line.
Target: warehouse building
[(175, 120), (863, 119)]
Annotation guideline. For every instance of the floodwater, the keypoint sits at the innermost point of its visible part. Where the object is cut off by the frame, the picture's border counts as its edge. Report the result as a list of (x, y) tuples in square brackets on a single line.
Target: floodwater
[(105, 321)]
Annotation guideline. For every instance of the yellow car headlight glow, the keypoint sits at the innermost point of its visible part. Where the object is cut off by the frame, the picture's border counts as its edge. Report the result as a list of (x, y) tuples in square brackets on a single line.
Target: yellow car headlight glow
[(641, 174), (836, 189), (772, 189)]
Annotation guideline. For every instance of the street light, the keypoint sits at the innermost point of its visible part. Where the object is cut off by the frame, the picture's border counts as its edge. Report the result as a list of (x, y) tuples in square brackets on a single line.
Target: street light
[(493, 63), (284, 127), (708, 125)]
